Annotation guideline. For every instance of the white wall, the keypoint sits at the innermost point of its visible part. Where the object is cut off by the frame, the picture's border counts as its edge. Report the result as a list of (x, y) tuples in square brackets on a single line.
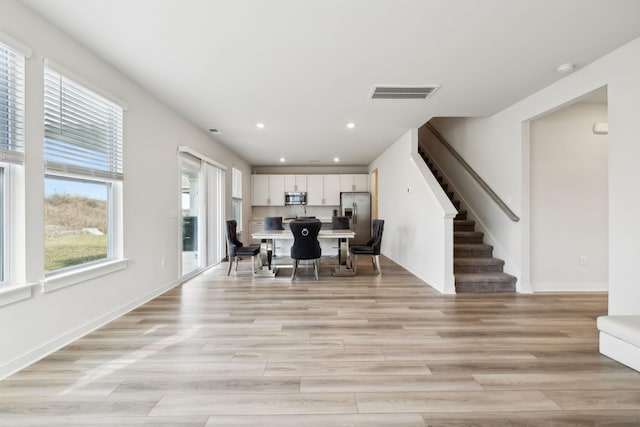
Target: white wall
[(36, 326), (498, 148), (418, 229), (569, 200)]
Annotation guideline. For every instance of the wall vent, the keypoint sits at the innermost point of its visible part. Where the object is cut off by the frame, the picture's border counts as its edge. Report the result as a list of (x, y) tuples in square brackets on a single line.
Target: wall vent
[(403, 92)]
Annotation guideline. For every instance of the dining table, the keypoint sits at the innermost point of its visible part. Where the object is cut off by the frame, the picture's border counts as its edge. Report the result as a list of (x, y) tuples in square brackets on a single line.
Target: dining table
[(268, 237)]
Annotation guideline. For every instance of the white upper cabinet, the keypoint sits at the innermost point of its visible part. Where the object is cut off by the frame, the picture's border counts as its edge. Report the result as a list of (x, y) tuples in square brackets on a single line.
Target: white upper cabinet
[(260, 190), (276, 190), (267, 190), (331, 190), (315, 190), (295, 183), (323, 190), (354, 182)]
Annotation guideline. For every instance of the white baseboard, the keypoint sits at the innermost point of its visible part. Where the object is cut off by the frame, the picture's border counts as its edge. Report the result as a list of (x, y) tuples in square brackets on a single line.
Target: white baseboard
[(46, 349), (570, 287)]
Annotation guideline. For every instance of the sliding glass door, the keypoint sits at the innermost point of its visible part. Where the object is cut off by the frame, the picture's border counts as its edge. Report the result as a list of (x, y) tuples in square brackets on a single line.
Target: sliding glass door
[(202, 198), (191, 217)]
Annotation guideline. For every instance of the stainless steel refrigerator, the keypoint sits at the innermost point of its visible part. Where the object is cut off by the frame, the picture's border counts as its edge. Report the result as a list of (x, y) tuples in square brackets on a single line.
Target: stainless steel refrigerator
[(357, 206)]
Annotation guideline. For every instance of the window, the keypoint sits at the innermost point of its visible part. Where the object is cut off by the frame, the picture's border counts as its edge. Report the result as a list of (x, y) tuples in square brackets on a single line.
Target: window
[(236, 196), (12, 63), (84, 172), (2, 225), (76, 221)]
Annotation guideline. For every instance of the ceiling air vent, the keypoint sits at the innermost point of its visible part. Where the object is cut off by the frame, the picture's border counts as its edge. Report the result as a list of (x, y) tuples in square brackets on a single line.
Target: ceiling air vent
[(403, 92)]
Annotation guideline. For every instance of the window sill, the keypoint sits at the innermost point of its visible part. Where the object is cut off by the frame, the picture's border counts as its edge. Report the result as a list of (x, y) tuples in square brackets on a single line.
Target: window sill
[(14, 293), (74, 277)]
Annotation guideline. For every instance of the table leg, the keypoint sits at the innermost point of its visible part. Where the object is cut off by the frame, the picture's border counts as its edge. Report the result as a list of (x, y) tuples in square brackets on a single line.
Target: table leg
[(343, 268), (265, 268)]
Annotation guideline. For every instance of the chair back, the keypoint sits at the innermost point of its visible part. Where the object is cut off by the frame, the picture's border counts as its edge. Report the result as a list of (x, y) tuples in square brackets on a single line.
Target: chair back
[(273, 223), (340, 222), (305, 239), (232, 237), (376, 240)]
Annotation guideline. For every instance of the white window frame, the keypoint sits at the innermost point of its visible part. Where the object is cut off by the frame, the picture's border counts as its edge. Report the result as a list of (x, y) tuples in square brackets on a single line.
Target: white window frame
[(13, 286), (236, 193), (115, 260)]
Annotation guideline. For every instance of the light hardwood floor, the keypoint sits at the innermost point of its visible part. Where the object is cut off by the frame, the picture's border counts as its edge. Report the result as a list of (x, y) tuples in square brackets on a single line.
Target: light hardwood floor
[(363, 351)]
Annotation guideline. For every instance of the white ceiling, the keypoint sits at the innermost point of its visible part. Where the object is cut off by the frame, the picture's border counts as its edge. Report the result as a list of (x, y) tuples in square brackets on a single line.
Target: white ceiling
[(305, 68)]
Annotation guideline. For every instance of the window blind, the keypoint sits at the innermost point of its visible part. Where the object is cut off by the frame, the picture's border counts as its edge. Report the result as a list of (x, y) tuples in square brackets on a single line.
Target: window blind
[(11, 105), (83, 130)]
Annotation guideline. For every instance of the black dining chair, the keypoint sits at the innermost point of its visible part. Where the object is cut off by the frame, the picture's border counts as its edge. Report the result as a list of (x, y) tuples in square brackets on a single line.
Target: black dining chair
[(340, 222), (305, 244), (273, 223), (372, 247), (236, 249)]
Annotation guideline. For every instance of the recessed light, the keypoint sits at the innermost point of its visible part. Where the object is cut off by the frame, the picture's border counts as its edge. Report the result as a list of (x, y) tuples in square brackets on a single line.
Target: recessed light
[(282, 160), (336, 159), (260, 125), (351, 125), (565, 68)]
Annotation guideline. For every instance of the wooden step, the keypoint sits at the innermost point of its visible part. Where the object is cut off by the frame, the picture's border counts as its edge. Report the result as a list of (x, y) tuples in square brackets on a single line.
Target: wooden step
[(463, 225), (456, 204), (467, 237), (472, 250), (477, 265), (485, 282)]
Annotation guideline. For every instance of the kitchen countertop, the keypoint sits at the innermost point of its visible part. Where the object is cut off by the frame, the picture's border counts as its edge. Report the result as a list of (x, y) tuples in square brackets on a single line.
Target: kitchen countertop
[(287, 220)]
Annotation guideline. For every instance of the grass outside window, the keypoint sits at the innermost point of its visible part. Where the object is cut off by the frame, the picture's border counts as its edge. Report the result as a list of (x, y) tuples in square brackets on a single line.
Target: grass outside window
[(76, 222)]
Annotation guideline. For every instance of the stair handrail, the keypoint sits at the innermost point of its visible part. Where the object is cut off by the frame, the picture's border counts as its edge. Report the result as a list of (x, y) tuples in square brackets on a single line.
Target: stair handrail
[(512, 216)]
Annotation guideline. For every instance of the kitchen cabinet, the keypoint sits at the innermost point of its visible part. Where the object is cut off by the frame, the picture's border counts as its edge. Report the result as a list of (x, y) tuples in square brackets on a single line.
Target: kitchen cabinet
[(332, 190), (323, 190), (295, 183), (315, 190), (267, 190), (354, 182)]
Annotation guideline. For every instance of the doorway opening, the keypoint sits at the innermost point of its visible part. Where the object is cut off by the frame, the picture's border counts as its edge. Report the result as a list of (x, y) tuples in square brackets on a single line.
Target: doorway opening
[(569, 197)]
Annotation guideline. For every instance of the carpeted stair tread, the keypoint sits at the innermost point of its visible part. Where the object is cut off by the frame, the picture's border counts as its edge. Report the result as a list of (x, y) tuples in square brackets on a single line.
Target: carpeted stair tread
[(477, 265), (485, 282), (461, 237), (462, 215), (463, 225), (472, 250)]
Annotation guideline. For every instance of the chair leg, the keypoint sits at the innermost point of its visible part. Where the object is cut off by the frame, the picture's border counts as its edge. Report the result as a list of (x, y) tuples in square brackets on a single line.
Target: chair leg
[(354, 263), (316, 267), (253, 265), (295, 267), (230, 264), (377, 264), (237, 259)]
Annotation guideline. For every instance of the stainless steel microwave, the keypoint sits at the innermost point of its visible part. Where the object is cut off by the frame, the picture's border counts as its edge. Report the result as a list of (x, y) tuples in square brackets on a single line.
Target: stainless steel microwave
[(295, 198)]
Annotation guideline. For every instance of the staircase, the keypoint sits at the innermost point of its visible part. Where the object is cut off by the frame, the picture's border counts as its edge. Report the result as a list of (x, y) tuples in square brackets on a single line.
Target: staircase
[(475, 268)]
